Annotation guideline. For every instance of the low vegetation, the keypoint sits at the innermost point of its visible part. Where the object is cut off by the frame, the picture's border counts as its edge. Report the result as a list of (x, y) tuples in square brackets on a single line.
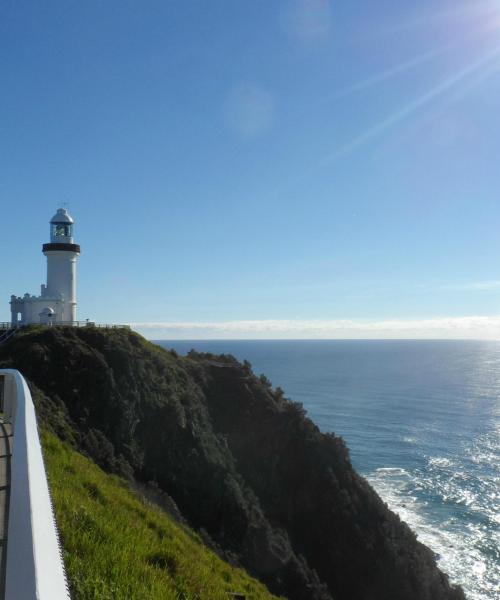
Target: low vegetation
[(117, 547)]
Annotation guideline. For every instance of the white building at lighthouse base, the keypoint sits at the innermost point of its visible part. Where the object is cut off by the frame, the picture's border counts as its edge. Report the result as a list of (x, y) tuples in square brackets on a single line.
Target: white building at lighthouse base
[(30, 309)]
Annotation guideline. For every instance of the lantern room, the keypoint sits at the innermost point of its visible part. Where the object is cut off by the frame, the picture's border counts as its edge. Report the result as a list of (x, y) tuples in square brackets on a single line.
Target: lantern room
[(61, 227)]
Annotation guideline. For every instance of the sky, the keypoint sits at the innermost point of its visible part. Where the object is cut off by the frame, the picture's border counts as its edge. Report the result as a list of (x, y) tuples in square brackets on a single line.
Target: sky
[(256, 169)]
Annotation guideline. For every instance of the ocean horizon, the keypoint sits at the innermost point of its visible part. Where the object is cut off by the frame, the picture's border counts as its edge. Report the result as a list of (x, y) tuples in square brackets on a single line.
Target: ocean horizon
[(421, 421)]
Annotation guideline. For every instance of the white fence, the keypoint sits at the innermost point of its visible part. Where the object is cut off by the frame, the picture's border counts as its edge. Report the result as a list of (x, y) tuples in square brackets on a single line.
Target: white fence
[(6, 325), (34, 568)]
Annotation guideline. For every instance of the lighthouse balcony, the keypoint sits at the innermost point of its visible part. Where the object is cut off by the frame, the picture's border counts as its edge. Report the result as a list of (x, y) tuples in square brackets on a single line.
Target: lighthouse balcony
[(61, 247)]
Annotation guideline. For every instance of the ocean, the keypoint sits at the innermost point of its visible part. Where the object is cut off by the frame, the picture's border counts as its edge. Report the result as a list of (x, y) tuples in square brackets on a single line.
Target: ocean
[(422, 422)]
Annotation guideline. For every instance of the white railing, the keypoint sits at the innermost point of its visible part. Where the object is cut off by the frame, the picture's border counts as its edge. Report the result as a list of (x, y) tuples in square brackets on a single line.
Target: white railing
[(34, 568), (6, 326)]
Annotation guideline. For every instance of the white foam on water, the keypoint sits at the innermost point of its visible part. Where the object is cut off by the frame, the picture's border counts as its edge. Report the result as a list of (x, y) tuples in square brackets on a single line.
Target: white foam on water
[(392, 471), (439, 461), (466, 552)]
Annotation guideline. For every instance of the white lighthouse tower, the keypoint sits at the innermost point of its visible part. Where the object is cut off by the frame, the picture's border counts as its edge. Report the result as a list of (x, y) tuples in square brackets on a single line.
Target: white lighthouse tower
[(57, 301), (61, 256)]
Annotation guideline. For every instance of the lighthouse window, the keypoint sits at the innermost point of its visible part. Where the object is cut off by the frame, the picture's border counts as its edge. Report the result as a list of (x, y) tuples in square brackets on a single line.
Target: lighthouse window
[(62, 230)]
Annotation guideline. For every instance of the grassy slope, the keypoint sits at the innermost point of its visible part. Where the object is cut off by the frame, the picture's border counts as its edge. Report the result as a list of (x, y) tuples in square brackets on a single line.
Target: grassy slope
[(116, 547)]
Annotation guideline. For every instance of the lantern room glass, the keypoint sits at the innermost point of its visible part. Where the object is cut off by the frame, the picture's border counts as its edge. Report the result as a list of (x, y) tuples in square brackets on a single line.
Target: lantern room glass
[(62, 230)]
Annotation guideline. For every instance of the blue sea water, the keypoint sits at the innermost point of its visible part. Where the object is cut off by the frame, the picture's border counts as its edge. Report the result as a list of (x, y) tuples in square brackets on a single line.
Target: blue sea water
[(422, 421)]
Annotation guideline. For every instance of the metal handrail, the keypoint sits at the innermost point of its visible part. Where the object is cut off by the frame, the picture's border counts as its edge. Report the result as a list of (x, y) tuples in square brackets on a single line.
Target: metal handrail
[(34, 567), (5, 325), (87, 324)]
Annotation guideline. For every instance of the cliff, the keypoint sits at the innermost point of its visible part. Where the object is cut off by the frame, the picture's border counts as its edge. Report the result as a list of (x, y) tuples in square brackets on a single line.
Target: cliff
[(243, 464)]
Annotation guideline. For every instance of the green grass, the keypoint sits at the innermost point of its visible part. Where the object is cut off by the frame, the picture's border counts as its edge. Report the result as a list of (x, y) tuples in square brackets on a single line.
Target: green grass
[(117, 547)]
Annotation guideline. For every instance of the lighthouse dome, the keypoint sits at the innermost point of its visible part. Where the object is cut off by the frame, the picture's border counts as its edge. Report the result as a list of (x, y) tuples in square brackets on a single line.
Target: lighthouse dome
[(62, 216)]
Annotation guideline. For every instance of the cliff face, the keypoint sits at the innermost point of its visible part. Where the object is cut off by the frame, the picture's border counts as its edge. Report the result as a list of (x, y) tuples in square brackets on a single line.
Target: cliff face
[(244, 465)]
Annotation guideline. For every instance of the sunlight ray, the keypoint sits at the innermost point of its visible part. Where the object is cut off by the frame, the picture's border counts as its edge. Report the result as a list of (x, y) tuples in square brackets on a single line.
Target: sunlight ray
[(467, 11), (484, 63), (403, 67), (388, 74)]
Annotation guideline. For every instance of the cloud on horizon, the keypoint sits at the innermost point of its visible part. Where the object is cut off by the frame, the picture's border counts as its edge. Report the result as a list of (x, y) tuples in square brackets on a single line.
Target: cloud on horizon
[(469, 327), (480, 286)]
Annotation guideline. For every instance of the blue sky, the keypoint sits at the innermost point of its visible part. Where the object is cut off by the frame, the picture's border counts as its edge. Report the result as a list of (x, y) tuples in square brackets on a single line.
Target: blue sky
[(258, 169)]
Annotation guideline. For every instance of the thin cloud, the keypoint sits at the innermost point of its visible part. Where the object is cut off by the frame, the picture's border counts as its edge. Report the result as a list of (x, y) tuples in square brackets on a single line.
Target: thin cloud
[(474, 286), (469, 327)]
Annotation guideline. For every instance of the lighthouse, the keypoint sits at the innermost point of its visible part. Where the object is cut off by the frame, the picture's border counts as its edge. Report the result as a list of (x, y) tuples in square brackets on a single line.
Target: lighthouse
[(57, 300), (61, 255)]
